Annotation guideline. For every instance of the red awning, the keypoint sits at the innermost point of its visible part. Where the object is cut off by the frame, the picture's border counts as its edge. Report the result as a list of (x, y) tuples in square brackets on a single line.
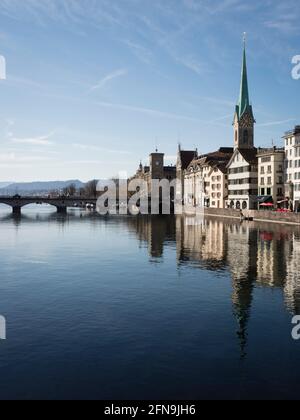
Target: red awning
[(267, 205), (267, 236)]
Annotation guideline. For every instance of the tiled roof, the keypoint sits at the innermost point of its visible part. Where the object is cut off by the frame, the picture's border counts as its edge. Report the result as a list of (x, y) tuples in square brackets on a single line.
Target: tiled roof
[(250, 155), (220, 158), (186, 158)]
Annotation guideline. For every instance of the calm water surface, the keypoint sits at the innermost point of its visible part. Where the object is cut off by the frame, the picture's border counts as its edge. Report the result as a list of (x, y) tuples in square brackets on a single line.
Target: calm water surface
[(147, 308)]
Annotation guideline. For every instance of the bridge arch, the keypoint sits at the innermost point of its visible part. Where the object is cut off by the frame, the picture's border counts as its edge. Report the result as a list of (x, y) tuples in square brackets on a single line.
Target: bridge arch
[(60, 203), (18, 204)]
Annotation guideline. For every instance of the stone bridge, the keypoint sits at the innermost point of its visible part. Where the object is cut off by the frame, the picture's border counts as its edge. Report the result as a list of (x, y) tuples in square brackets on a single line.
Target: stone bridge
[(61, 203)]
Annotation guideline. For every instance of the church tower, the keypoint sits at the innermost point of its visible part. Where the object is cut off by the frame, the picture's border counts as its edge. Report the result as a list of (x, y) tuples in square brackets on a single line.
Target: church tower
[(244, 119), (157, 165)]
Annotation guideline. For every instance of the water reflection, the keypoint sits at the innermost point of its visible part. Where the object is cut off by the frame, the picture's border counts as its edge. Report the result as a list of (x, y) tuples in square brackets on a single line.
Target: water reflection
[(156, 231), (252, 255), (255, 255)]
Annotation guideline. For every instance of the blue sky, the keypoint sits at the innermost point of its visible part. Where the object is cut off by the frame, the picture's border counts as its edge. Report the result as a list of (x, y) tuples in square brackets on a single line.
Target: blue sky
[(93, 86)]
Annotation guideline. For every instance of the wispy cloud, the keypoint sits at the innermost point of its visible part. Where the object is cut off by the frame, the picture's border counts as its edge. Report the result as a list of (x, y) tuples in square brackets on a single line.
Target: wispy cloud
[(108, 78), (192, 63), (220, 101), (8, 158), (140, 51), (165, 115), (92, 148), (33, 141), (274, 123), (147, 111)]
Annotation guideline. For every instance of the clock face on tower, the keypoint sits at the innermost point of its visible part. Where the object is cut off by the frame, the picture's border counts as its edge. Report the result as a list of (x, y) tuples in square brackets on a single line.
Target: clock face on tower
[(157, 163), (246, 121)]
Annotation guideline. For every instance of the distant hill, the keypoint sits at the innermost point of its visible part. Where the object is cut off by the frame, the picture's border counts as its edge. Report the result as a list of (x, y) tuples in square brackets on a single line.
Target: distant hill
[(28, 188), (4, 184)]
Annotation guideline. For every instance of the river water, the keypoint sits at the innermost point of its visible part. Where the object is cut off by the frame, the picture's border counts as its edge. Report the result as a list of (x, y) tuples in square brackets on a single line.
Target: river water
[(147, 307)]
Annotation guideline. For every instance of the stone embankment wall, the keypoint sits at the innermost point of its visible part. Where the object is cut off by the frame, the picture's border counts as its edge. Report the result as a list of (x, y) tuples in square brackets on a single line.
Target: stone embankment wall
[(258, 216)]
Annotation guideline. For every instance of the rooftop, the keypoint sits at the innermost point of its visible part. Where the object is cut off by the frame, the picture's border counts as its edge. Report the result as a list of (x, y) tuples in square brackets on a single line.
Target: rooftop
[(271, 150), (250, 155), (292, 132), (220, 158), (186, 157)]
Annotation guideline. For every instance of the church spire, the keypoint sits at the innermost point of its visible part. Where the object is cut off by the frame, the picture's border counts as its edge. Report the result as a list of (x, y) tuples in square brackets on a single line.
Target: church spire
[(244, 119), (244, 101)]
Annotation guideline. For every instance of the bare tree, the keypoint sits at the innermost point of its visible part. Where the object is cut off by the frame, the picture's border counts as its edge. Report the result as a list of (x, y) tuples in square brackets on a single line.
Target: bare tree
[(90, 189), (70, 190)]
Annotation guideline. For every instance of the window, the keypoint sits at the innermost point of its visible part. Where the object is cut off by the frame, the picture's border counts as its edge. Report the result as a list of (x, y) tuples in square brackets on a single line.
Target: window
[(269, 191), (262, 191), (269, 169), (262, 170), (262, 181), (246, 137), (279, 192), (269, 180)]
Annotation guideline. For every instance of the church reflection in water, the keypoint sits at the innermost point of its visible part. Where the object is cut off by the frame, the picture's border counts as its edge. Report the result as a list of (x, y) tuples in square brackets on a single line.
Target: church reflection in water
[(255, 255)]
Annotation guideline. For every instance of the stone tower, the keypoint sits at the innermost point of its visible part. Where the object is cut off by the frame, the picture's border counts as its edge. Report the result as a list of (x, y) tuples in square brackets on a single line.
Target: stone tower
[(157, 165), (244, 119)]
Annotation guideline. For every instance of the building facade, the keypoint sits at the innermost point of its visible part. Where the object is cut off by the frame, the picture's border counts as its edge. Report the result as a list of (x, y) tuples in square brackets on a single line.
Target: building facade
[(292, 168), (206, 180), (271, 176), (184, 158), (243, 180)]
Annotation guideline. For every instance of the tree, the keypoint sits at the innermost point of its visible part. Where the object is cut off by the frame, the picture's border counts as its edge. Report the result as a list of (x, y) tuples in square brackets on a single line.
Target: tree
[(70, 190), (90, 189)]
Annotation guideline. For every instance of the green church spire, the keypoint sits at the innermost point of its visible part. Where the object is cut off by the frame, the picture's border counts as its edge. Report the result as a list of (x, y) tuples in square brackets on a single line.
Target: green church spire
[(244, 101)]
